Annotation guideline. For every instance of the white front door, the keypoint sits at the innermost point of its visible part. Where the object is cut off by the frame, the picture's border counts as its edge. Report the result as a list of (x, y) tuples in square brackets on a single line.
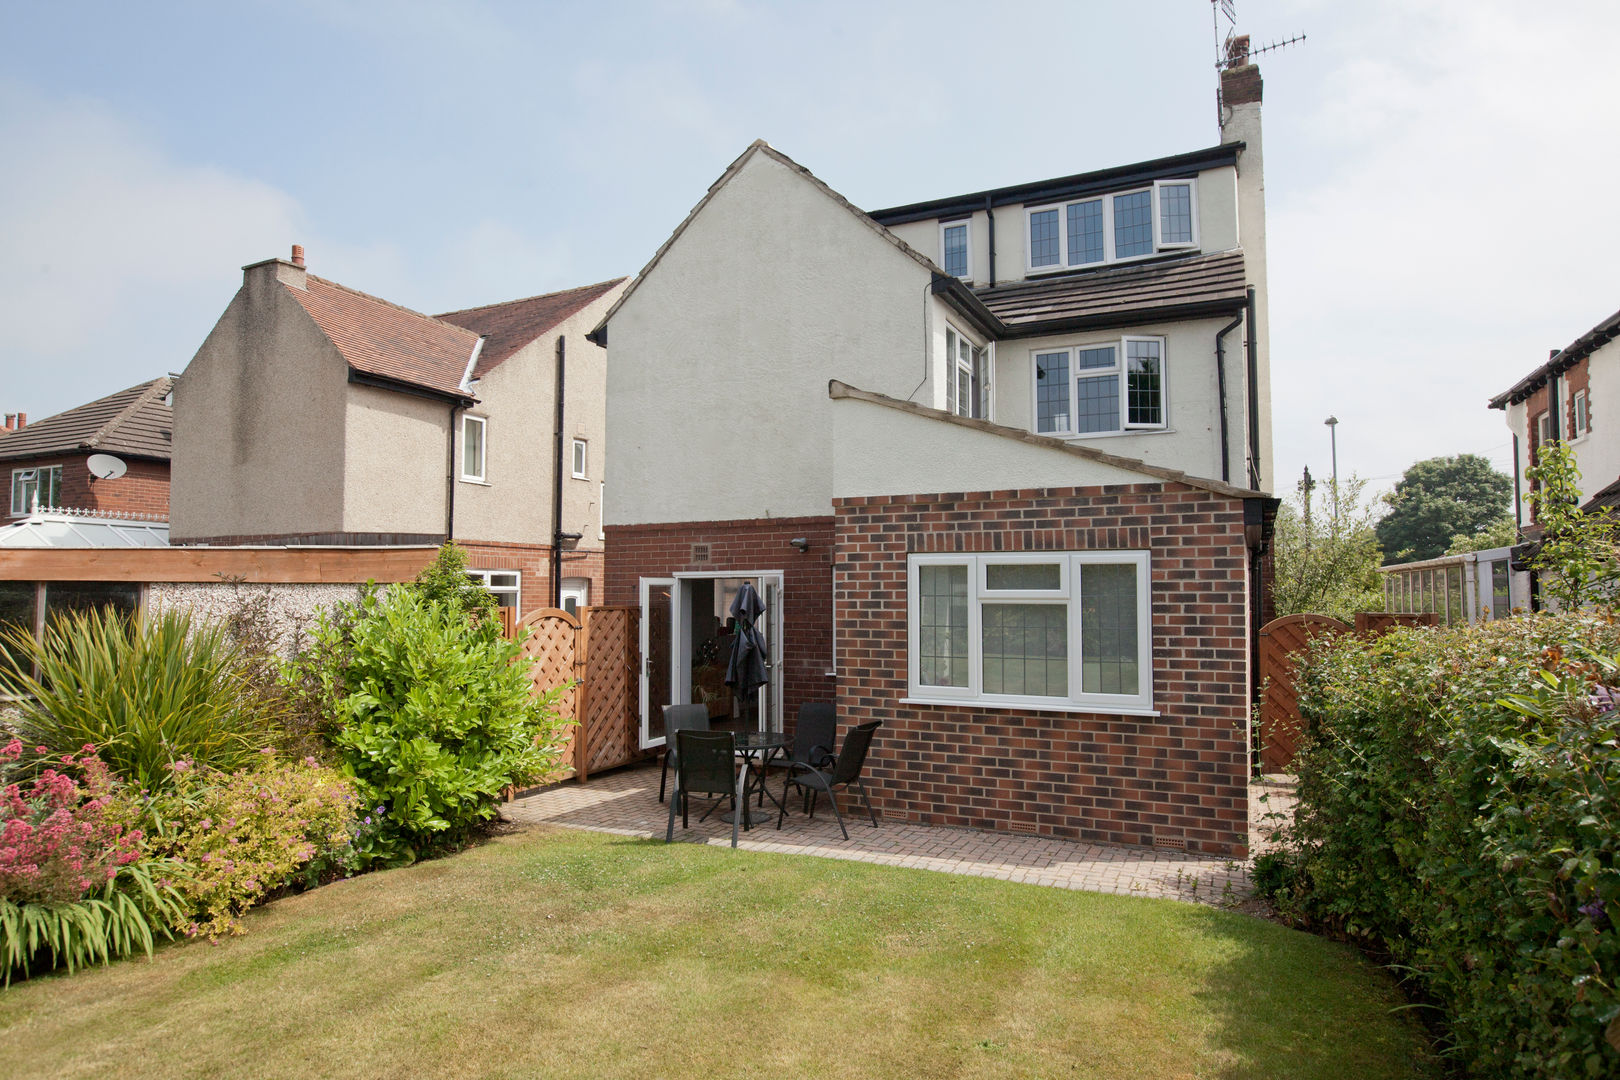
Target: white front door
[(657, 655)]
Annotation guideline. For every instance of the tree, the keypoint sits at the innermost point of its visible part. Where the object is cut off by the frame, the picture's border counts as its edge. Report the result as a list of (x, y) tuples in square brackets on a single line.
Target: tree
[(1326, 562), (1578, 561), (1439, 499), (445, 579)]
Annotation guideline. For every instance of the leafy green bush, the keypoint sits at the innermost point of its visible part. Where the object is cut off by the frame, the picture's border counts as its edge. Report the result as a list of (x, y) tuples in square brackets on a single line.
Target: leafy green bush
[(146, 693), (445, 579), (246, 835), (433, 717), (74, 887), (1456, 811)]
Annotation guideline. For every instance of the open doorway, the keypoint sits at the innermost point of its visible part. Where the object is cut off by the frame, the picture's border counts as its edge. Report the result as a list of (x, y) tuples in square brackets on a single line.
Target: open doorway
[(687, 634)]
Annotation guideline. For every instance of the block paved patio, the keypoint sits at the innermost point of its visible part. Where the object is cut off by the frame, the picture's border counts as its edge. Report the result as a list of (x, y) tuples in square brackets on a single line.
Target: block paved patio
[(625, 801)]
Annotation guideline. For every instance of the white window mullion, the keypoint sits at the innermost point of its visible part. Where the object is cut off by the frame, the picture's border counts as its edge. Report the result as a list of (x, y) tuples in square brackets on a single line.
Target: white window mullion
[(1108, 229), (975, 635)]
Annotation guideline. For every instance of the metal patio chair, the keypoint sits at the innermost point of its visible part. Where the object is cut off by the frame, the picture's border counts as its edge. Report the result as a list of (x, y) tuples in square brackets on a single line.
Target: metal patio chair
[(845, 772), (814, 737), (706, 765), (679, 718)]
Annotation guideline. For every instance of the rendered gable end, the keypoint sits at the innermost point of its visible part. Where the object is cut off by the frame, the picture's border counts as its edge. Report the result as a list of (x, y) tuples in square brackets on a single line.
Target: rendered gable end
[(259, 423), (720, 353)]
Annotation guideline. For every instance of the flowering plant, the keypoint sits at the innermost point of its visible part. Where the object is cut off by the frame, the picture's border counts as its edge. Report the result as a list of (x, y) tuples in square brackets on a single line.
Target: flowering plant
[(57, 842)]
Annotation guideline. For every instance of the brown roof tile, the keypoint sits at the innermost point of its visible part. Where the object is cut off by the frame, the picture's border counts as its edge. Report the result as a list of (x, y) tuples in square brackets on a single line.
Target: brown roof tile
[(1167, 287), (510, 326), (388, 341), (133, 423)]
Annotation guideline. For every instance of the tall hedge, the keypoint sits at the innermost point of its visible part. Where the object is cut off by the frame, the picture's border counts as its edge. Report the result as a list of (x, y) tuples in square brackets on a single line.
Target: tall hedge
[(1457, 812)]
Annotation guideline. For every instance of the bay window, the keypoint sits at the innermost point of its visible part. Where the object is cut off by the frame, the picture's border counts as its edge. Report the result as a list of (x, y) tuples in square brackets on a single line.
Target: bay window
[(1053, 630), (1113, 228), (1100, 388)]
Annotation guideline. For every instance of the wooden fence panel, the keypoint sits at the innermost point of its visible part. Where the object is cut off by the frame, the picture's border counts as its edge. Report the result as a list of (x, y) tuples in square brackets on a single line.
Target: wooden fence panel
[(553, 647), (1280, 723), (612, 701)]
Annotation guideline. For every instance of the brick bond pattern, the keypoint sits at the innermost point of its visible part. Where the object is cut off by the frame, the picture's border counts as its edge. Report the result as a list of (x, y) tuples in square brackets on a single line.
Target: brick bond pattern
[(143, 491), (637, 551), (1180, 777)]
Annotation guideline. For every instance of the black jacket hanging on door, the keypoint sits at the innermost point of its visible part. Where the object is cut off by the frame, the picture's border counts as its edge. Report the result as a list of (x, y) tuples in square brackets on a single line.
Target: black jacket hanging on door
[(746, 669)]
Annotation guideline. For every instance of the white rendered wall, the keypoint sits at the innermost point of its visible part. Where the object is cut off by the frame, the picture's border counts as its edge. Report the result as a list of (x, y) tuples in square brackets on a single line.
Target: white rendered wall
[(1241, 123), (879, 450), (1598, 454), (718, 362)]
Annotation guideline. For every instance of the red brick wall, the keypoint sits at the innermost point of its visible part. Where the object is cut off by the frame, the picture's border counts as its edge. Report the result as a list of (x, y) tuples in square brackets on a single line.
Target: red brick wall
[(534, 561), (143, 491), (1180, 776), (637, 551)]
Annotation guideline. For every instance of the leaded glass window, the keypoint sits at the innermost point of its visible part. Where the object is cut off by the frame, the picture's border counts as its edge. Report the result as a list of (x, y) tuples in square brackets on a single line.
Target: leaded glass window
[(1108, 642), (1133, 224), (1144, 383), (1086, 232), (1052, 393), (942, 625), (1175, 214), (954, 241), (1043, 239), (1026, 649)]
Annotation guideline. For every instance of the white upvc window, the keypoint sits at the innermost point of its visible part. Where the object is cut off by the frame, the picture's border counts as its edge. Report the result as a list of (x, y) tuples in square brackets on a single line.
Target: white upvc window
[(41, 484), (968, 369), (1117, 227), (505, 585), (955, 248), (1066, 630), (579, 459), (1577, 414), (1101, 388), (1544, 429), (474, 448)]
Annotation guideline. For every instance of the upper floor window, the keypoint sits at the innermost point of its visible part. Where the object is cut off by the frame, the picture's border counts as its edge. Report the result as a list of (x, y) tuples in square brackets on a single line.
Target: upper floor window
[(953, 246), (473, 445), (1100, 388), (967, 376), (1115, 227), (41, 485), (579, 459), (1577, 414), (1544, 429)]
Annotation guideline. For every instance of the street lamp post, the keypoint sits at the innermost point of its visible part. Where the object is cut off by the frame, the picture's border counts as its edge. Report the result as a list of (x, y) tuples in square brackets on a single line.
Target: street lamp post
[(1332, 423)]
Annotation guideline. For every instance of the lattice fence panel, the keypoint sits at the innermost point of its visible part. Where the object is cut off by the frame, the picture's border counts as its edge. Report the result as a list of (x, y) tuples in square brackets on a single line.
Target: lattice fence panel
[(613, 692), (553, 647), (1281, 642)]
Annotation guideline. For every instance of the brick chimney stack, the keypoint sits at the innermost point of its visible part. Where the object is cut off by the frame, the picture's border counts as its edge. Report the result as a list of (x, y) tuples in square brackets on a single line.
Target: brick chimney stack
[(298, 255), (16, 421), (1240, 78)]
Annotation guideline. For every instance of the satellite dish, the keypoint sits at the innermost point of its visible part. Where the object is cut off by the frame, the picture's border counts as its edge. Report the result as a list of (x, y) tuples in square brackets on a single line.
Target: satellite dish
[(106, 467)]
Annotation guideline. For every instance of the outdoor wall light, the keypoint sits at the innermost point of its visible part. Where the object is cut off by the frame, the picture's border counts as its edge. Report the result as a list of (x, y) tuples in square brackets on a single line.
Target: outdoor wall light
[(800, 542)]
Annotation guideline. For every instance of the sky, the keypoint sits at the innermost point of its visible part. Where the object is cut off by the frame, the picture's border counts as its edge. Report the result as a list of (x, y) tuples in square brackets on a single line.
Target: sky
[(1437, 172)]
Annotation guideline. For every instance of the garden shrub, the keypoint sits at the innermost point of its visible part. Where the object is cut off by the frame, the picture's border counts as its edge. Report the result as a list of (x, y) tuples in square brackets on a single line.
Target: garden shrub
[(1456, 812), (433, 717), (74, 885), (247, 835), (145, 692)]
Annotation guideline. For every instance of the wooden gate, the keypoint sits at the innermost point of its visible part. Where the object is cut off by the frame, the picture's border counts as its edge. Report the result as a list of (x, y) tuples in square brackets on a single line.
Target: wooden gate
[(1280, 642), (596, 660)]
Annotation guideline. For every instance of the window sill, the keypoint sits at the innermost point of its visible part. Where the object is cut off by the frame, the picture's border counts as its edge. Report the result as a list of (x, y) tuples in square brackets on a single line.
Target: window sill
[(1066, 707), (1105, 434), (476, 482)]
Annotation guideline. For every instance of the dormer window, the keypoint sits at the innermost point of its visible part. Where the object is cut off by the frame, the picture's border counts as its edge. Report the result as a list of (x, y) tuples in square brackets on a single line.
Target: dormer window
[(953, 246), (1113, 228)]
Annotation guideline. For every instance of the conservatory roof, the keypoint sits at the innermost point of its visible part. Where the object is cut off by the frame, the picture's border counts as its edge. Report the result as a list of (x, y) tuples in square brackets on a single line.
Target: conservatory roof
[(83, 529)]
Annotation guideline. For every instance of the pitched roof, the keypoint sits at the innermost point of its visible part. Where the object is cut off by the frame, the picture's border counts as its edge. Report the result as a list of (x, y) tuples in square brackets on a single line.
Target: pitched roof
[(1182, 287), (387, 341), (1561, 361), (758, 146), (510, 326), (131, 423), (67, 529)]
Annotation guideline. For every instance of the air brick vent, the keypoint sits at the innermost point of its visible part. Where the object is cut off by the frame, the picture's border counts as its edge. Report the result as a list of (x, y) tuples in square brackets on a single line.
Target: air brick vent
[(700, 553), (1170, 843)]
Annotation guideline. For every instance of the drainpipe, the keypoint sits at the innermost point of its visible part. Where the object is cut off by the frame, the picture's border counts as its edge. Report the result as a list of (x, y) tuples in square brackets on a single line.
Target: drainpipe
[(1255, 479), (990, 213), (557, 484), (450, 480), (1220, 389), (1518, 496)]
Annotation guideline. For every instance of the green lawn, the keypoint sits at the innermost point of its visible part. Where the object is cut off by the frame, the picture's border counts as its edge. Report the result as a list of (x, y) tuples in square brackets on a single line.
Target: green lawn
[(560, 953)]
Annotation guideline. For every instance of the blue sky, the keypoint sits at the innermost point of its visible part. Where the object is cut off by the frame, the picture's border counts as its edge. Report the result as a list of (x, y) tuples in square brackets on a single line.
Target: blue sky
[(1438, 174)]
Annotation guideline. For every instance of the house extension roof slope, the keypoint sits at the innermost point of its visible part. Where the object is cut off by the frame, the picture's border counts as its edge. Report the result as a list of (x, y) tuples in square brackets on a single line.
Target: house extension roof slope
[(510, 326), (1184, 287), (388, 341), (131, 423)]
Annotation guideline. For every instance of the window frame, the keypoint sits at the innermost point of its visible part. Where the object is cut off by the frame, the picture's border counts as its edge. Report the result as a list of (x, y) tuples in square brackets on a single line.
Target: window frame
[(977, 563), (482, 475), (979, 368), (1110, 254), (20, 502), (966, 225), (1120, 345), (1580, 421), (579, 459), (516, 588)]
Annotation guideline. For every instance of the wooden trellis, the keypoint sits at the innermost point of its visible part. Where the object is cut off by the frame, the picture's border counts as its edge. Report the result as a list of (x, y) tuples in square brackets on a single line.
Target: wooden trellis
[(596, 659)]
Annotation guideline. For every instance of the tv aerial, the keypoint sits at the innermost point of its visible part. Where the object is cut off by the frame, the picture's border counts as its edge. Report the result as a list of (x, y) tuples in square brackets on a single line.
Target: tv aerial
[(1227, 52), (106, 467)]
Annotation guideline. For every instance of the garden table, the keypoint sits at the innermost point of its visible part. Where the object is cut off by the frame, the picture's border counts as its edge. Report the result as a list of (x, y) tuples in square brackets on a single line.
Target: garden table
[(763, 746)]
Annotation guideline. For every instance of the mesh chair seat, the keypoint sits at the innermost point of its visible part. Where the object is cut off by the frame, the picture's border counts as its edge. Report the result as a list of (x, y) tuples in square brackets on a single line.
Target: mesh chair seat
[(706, 765), (843, 772)]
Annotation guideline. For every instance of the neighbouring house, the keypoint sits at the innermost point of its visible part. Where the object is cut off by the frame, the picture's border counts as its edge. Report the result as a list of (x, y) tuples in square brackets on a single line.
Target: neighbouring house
[(48, 462), (1567, 398), (996, 464), (315, 414)]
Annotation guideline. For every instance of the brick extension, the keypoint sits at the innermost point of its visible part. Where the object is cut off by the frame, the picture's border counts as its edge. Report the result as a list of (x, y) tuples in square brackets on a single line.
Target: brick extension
[(1178, 778), (142, 491)]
